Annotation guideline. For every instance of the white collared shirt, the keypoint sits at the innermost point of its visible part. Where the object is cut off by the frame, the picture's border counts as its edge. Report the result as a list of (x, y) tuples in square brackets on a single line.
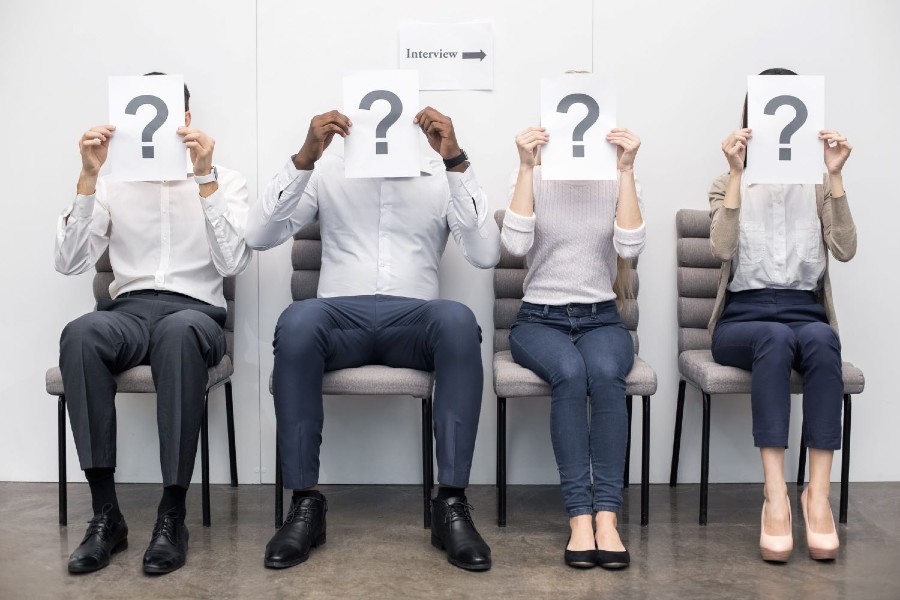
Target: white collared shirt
[(379, 235), (781, 244), (162, 235)]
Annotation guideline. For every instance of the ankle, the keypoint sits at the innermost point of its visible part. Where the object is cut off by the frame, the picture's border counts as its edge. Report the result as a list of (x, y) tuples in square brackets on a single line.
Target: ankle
[(174, 500), (775, 491), (606, 520)]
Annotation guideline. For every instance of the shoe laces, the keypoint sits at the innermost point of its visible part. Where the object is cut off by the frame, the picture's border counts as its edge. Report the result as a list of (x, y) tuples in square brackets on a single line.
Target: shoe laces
[(300, 512), (100, 525), (166, 526), (459, 511)]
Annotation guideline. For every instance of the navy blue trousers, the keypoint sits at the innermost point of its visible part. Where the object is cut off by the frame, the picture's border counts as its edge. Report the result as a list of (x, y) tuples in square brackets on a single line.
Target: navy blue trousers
[(326, 334), (769, 332)]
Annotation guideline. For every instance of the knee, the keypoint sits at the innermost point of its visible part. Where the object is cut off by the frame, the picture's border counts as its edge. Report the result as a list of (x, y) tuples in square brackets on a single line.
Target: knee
[(454, 322), (818, 336), (81, 331), (605, 372), (179, 328), (300, 326), (569, 376), (779, 340)]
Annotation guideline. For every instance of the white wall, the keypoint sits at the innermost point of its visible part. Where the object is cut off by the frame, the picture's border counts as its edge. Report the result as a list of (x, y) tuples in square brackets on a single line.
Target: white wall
[(259, 70)]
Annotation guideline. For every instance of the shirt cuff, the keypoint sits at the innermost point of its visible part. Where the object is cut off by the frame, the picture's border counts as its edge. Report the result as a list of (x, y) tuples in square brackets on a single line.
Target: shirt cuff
[(214, 205), (464, 184), (630, 236), (290, 177), (517, 222), (82, 208)]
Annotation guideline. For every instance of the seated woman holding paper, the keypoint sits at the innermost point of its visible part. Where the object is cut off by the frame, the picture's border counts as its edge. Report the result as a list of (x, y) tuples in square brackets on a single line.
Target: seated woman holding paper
[(774, 312), (577, 235)]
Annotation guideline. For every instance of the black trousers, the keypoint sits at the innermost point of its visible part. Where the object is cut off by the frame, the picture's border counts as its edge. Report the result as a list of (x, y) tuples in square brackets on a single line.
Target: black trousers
[(179, 337)]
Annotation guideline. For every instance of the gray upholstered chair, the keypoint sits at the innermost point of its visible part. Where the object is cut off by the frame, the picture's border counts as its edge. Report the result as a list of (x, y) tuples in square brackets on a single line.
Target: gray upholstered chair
[(514, 381), (369, 380), (139, 381), (698, 277)]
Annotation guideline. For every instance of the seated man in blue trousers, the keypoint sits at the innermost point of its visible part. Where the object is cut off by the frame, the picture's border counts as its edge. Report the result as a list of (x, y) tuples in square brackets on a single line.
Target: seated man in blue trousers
[(382, 241)]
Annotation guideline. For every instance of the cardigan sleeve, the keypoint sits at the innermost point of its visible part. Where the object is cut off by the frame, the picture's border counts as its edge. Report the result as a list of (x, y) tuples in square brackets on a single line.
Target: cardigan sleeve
[(838, 228), (725, 222)]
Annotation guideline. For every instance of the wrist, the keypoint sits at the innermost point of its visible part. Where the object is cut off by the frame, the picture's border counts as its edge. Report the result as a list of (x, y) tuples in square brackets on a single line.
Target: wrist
[(202, 171), (525, 167), (87, 183), (302, 163), (626, 169), (735, 173), (451, 152)]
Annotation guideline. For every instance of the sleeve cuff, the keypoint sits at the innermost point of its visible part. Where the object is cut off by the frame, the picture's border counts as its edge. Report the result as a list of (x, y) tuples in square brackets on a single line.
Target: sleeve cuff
[(630, 236), (290, 177), (81, 208), (214, 205), (517, 222), (463, 185)]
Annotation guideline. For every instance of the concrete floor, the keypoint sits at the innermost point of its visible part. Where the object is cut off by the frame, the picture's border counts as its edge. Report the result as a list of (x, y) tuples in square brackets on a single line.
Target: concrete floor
[(377, 548)]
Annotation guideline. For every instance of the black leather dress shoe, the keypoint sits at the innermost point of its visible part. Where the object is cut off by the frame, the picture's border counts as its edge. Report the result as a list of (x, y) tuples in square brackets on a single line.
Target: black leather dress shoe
[(104, 537), (613, 560), (303, 530), (168, 545), (452, 530)]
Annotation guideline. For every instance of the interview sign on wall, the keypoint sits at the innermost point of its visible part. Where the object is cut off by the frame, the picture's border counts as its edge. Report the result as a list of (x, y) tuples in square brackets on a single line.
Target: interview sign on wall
[(147, 111), (785, 114), (448, 56)]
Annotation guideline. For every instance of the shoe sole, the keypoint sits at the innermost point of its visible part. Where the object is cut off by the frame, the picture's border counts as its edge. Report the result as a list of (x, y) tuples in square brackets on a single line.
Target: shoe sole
[(437, 543), (162, 571), (775, 556), (280, 564), (123, 545), (823, 554), (581, 565), (613, 566)]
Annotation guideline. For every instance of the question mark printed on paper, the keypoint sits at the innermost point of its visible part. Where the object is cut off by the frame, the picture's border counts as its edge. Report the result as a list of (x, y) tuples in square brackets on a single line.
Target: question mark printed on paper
[(381, 147), (792, 127), (593, 112), (162, 113)]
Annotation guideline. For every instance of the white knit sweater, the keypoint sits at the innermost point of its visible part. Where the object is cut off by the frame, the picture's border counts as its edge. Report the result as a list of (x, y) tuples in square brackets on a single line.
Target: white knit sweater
[(571, 240)]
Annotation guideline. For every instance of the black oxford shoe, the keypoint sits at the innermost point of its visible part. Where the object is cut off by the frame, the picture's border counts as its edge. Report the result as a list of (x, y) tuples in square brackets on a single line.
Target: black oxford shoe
[(168, 545), (104, 537), (452, 530), (303, 530)]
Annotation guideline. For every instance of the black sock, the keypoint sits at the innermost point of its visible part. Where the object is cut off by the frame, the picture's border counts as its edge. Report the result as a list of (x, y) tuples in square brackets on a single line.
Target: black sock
[(450, 492), (173, 499), (103, 491), (298, 494)]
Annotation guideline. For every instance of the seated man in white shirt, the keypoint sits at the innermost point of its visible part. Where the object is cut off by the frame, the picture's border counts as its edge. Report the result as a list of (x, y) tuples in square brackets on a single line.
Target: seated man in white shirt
[(170, 243), (382, 241)]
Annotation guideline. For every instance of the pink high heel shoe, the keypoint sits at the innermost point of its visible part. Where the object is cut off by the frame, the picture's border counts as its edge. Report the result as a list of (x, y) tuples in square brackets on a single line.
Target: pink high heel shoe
[(822, 546), (775, 548)]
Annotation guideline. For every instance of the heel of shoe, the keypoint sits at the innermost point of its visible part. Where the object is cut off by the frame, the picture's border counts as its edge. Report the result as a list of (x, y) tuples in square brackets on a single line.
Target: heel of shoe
[(436, 542), (775, 548), (319, 541)]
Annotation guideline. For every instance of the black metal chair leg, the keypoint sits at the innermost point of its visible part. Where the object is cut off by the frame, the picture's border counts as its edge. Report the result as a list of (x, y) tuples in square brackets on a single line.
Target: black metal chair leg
[(676, 442), (279, 487), (61, 442), (645, 462), (501, 446), (204, 460), (704, 460), (626, 475), (232, 451), (845, 461), (427, 460), (801, 466), (497, 453)]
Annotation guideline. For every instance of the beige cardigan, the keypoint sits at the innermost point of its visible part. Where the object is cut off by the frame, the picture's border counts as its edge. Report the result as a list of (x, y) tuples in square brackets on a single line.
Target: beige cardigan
[(838, 231)]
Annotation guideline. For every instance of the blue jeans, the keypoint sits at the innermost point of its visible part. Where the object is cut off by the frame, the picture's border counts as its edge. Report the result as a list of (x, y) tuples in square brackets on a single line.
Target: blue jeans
[(581, 350), (326, 334), (768, 332)]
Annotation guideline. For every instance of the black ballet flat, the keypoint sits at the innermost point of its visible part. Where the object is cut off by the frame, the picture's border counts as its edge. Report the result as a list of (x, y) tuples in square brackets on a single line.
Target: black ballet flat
[(613, 560), (580, 559)]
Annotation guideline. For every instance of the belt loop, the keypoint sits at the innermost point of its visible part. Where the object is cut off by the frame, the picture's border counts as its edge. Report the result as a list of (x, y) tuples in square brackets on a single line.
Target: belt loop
[(546, 310)]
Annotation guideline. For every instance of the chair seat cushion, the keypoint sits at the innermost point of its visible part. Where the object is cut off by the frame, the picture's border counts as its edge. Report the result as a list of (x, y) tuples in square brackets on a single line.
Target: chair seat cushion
[(699, 368), (376, 380), (512, 380), (139, 380)]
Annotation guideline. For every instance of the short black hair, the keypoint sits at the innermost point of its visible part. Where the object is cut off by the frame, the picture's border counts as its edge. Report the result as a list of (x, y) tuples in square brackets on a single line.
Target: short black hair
[(187, 93), (775, 71)]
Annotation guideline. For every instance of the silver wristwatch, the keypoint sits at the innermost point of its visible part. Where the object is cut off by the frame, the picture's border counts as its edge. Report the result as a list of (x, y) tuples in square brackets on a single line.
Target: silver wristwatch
[(213, 176)]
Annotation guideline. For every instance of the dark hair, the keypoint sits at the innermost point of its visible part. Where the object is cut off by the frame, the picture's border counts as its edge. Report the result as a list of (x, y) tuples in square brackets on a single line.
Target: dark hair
[(187, 94), (777, 71)]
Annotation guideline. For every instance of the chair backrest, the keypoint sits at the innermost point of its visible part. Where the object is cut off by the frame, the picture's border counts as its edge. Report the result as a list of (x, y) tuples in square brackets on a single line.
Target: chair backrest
[(509, 277), (306, 258), (104, 277), (698, 279)]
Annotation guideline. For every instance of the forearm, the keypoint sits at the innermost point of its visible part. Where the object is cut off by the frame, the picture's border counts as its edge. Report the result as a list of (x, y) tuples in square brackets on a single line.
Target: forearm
[(628, 211), (279, 213), (522, 202)]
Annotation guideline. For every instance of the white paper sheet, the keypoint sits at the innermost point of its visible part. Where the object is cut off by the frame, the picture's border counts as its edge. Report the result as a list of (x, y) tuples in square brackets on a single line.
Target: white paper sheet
[(578, 149), (775, 154), (376, 146), (448, 56), (146, 112)]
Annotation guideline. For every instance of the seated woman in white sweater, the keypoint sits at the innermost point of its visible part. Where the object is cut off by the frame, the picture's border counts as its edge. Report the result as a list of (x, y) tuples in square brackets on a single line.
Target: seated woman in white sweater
[(576, 235)]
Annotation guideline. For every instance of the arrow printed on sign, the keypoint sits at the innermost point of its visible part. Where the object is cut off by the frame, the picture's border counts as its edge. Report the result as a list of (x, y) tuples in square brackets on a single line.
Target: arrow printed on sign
[(479, 55)]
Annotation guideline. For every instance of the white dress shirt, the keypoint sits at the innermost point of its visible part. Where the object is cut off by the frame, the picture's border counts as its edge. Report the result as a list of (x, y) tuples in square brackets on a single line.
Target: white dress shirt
[(379, 235), (781, 244), (161, 235)]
